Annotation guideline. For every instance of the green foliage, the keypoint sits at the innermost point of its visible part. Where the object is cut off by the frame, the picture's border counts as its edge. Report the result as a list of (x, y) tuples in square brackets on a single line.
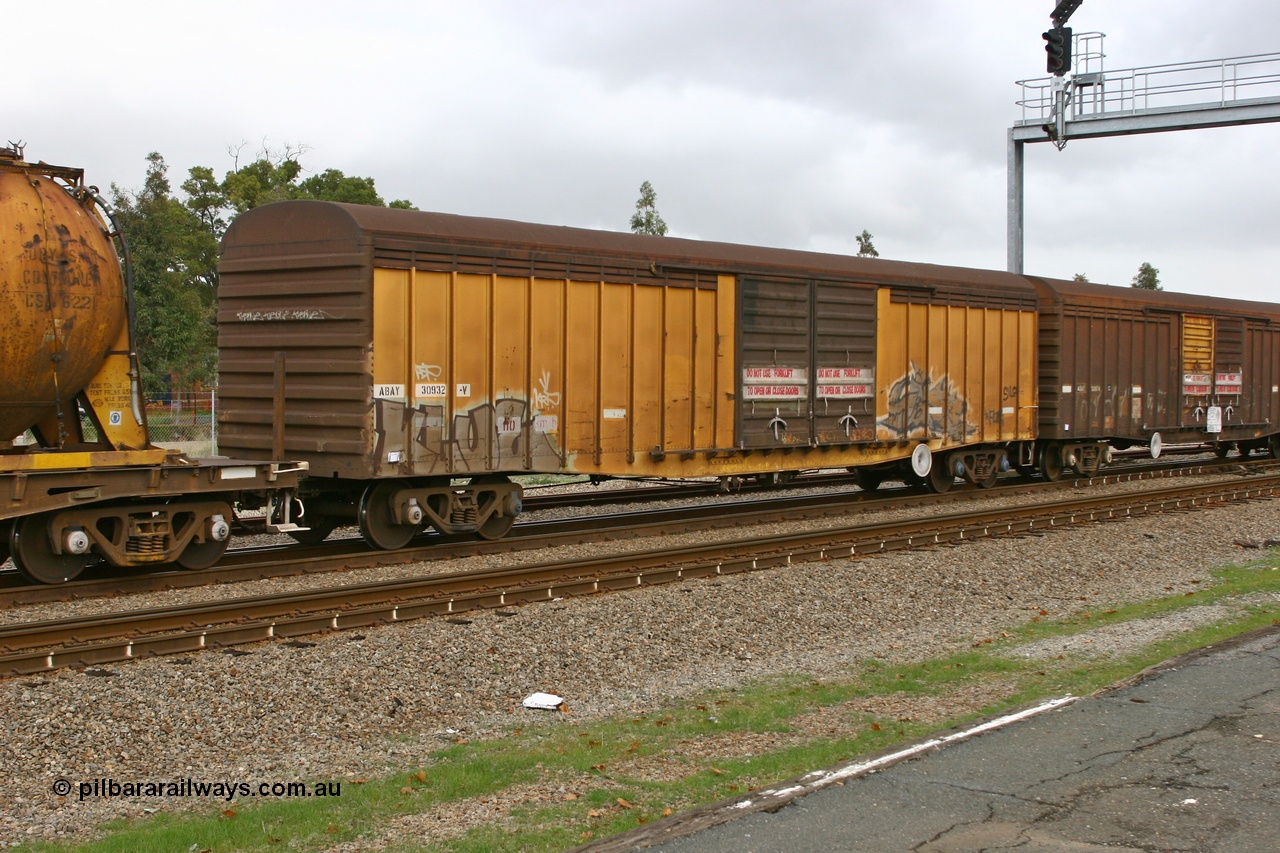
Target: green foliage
[(262, 182), (174, 273), (206, 199), (332, 185), (866, 249), (174, 245), (1148, 278), (646, 219), (1080, 277)]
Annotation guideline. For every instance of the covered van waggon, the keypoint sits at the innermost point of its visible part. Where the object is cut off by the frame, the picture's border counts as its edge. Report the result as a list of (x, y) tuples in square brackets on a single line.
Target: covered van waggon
[(1126, 367), (416, 360)]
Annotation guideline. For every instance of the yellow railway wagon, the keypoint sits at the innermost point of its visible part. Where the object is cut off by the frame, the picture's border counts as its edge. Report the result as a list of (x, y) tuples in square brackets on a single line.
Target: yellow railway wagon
[(417, 360)]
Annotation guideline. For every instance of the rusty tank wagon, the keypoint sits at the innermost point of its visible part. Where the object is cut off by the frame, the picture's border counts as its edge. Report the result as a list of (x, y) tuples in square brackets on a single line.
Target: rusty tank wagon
[(80, 480)]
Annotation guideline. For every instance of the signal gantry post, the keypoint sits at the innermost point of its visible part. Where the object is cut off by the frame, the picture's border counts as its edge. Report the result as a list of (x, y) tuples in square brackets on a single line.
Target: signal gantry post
[(1091, 102)]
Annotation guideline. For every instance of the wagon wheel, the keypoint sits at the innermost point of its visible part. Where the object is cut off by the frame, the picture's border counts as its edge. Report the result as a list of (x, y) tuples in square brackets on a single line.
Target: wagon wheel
[(378, 525), (1051, 462), (5, 529), (318, 529), (868, 479), (33, 555), (202, 555), (1273, 445), (941, 477), (496, 526)]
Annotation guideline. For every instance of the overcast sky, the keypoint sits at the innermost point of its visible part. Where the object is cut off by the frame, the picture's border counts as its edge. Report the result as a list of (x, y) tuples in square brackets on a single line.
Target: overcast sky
[(794, 124)]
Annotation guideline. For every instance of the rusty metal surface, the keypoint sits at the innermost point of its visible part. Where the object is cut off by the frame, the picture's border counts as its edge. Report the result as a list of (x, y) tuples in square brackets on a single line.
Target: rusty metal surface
[(1140, 299), (61, 295), (1115, 364), (295, 325), (28, 492), (339, 233)]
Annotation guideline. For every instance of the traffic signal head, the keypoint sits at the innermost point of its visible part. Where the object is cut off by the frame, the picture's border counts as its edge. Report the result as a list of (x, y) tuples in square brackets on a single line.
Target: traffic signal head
[(1058, 47)]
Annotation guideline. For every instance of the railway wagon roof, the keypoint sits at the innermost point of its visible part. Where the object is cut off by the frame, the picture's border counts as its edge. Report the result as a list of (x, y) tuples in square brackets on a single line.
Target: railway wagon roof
[(1135, 298), (332, 227), (321, 232)]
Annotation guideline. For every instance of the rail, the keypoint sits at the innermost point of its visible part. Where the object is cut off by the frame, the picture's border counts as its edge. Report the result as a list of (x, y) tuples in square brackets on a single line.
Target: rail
[(84, 641), (339, 554)]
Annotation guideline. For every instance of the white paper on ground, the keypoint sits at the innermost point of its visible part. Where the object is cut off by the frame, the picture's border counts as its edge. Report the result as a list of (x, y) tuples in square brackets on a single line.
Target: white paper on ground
[(543, 701)]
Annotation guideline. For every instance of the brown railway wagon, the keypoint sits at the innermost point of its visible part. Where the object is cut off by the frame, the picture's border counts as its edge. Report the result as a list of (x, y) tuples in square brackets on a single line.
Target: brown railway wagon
[(1126, 367), (415, 359)]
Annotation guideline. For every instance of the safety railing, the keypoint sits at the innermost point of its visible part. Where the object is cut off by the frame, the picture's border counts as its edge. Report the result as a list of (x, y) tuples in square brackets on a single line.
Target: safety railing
[(1096, 93)]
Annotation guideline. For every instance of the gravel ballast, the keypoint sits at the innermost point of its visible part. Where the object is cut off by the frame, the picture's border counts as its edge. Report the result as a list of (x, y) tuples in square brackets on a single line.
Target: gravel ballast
[(359, 704)]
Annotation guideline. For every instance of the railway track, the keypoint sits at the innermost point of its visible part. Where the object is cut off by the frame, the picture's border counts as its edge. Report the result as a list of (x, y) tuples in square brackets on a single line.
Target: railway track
[(33, 647), (343, 554)]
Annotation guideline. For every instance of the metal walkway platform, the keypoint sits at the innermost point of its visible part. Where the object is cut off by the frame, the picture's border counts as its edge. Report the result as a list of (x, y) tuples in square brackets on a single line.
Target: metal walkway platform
[(1093, 102)]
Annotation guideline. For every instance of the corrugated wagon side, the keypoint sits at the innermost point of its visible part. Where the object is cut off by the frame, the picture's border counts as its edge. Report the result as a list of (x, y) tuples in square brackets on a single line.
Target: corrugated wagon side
[(295, 321)]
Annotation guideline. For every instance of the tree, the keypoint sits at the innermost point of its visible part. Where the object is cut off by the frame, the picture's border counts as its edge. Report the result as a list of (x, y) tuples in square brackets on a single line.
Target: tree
[(174, 256), (646, 219), (866, 249), (1148, 277), (332, 185), (1080, 277), (174, 246), (273, 176)]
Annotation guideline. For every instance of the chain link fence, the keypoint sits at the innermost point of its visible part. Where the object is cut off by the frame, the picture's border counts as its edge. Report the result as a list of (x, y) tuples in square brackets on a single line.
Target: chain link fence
[(186, 421)]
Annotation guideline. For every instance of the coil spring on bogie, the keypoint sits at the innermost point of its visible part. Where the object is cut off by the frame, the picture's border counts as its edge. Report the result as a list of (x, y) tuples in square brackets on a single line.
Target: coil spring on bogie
[(149, 534), (154, 543), (464, 515)]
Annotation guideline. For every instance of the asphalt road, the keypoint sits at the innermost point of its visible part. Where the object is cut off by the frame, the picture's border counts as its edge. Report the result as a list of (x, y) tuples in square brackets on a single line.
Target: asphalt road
[(1184, 758)]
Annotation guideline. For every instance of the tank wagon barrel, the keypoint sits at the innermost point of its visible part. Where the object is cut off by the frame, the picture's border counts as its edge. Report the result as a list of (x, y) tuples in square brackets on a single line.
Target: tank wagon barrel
[(87, 484)]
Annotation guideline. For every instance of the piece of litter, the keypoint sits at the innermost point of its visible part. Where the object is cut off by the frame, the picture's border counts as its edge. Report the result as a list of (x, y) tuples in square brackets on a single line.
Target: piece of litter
[(543, 701), (1189, 802)]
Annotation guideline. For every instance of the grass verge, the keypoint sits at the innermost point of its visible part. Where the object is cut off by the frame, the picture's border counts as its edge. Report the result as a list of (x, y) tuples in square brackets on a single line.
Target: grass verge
[(555, 785)]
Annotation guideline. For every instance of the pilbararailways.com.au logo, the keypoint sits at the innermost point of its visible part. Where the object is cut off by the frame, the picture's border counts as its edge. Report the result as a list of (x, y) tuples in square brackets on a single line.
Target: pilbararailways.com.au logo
[(226, 790)]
